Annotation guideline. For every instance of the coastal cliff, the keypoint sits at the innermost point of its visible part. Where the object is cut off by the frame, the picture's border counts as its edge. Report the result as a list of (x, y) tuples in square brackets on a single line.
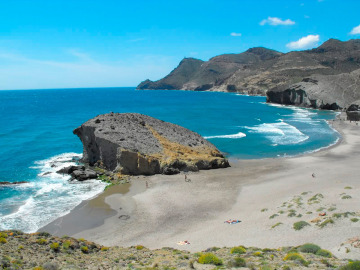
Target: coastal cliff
[(257, 70), (136, 144), (330, 92)]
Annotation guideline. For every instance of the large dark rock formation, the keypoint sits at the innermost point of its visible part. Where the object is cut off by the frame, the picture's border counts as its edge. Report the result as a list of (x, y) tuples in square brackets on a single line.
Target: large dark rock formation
[(259, 69), (329, 92), (353, 112), (136, 144)]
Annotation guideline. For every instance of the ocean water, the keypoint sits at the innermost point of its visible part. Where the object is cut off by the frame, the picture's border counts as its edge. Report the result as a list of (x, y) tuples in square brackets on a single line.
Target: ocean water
[(36, 138)]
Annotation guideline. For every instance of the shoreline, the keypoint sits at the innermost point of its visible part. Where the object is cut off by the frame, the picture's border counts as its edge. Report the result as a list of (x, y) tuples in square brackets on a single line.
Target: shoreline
[(172, 210)]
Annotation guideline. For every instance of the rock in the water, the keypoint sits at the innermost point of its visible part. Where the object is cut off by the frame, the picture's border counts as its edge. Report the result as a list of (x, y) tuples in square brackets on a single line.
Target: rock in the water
[(136, 144), (70, 169), (12, 183), (83, 175)]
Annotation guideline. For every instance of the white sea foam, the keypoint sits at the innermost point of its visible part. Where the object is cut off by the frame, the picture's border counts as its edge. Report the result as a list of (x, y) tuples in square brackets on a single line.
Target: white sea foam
[(231, 136), (52, 195), (279, 133)]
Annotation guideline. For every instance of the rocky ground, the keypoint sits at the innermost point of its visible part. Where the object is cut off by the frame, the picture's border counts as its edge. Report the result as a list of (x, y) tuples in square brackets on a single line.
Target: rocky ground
[(44, 251)]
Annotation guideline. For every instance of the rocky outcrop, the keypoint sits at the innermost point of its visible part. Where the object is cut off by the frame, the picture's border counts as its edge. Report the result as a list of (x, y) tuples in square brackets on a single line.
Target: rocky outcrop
[(80, 173), (136, 144), (353, 112), (6, 183), (259, 69), (331, 92)]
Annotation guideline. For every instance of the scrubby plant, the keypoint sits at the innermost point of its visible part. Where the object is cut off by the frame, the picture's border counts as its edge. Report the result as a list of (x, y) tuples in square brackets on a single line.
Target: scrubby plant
[(84, 249), (237, 262), (50, 266), (275, 225), (3, 240), (3, 235), (104, 249), (41, 241), (332, 208), (44, 234), (66, 244), (327, 263), (354, 219), (238, 250), (346, 197), (139, 247), (286, 267), (292, 214), (55, 246), (257, 254), (20, 247), (326, 222), (273, 216), (351, 266), (264, 210), (347, 187), (309, 248), (209, 258), (316, 198), (300, 225), (295, 257), (281, 212), (324, 253)]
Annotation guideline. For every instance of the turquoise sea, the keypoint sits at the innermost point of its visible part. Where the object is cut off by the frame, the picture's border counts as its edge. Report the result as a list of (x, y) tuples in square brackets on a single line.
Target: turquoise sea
[(36, 138)]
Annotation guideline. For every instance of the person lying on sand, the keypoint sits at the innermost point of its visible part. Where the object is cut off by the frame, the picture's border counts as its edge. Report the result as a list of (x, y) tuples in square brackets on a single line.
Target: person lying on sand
[(232, 221), (181, 243)]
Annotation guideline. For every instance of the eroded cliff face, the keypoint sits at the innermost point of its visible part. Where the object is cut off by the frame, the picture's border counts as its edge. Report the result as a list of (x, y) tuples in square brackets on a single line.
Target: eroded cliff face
[(136, 144), (329, 92)]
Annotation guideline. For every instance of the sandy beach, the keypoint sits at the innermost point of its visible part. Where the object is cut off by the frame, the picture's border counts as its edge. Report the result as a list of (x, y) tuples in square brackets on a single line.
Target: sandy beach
[(268, 196)]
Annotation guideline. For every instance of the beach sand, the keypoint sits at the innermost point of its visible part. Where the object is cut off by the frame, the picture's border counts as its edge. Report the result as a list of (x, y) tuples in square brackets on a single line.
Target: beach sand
[(172, 209)]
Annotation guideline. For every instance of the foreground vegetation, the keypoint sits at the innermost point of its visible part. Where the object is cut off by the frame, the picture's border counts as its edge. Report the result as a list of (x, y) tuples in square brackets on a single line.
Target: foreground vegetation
[(42, 251)]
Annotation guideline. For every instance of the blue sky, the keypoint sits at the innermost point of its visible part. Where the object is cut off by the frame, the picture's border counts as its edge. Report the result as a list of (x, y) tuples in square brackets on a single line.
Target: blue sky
[(65, 44)]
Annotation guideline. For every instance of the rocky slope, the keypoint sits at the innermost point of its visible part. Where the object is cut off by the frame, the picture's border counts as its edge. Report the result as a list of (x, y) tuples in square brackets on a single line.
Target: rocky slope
[(259, 69), (41, 251), (136, 144), (320, 91)]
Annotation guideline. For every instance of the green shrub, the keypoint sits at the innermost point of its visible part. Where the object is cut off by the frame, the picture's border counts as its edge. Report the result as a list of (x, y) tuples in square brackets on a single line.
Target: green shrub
[(41, 241), (237, 262), (84, 249), (324, 253), (139, 247), (351, 266), (264, 210), (3, 235), (295, 257), (326, 222), (354, 219), (346, 197), (104, 249), (299, 225), (55, 246), (275, 225), (332, 208), (238, 250), (309, 248), (44, 234), (347, 187), (209, 258), (3, 240), (273, 216), (66, 244)]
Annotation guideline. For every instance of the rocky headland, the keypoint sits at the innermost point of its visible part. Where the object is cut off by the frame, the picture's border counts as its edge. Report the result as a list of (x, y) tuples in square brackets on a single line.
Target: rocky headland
[(135, 144), (259, 69)]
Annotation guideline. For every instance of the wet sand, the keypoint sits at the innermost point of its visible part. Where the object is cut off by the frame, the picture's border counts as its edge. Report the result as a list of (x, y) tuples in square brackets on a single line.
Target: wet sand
[(172, 210)]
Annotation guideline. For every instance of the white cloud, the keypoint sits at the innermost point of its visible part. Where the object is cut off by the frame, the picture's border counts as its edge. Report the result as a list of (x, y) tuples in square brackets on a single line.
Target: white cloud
[(276, 21), (304, 42), (233, 34), (355, 31)]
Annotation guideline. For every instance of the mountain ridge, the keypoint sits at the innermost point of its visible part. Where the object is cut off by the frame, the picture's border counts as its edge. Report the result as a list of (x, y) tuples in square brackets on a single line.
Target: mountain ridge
[(259, 69)]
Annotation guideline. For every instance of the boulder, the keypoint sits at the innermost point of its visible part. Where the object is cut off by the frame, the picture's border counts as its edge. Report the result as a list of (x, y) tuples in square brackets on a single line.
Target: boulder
[(136, 144)]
